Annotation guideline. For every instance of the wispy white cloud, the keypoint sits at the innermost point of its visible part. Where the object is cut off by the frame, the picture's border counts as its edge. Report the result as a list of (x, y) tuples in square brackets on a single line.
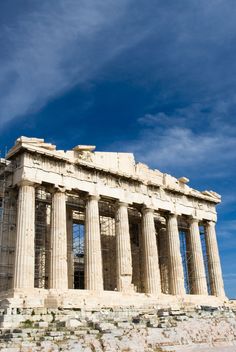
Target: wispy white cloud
[(167, 144), (56, 46)]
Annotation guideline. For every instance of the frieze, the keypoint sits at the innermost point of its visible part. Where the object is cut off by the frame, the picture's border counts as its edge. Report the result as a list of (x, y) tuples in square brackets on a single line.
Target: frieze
[(100, 177)]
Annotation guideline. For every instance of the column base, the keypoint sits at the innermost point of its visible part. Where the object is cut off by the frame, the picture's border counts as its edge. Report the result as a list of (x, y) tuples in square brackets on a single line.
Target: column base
[(81, 299), (125, 286)]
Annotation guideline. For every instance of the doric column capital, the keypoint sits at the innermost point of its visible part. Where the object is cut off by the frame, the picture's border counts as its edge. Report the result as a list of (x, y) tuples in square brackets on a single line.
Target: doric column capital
[(121, 203), (56, 189), (210, 223), (173, 214), (147, 209), (59, 189), (25, 182), (92, 196), (193, 219)]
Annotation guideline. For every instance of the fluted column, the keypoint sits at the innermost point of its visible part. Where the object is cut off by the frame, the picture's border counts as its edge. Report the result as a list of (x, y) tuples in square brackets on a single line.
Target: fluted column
[(198, 275), (151, 264), (93, 254), (176, 274), (163, 260), (48, 246), (58, 267), (214, 266), (123, 248), (25, 237), (70, 253)]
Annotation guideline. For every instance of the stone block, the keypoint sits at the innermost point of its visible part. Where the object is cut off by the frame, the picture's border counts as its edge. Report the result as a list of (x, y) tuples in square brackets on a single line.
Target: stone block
[(93, 331), (105, 327), (124, 325), (80, 332), (153, 324), (43, 324), (73, 324), (162, 313)]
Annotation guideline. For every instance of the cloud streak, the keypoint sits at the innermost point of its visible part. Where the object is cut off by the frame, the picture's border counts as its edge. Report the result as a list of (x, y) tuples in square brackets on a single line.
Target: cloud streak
[(56, 46), (174, 143), (53, 46)]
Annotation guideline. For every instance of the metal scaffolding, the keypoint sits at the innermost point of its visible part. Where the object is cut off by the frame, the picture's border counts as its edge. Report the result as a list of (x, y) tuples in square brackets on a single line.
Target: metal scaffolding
[(205, 256), (76, 204), (42, 237), (7, 225), (108, 243), (78, 248)]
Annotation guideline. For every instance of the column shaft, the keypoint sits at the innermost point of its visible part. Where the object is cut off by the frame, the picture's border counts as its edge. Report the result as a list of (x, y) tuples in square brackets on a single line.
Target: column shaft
[(59, 271), (93, 254), (198, 275), (123, 249), (70, 253), (176, 274), (151, 264), (214, 266), (48, 247), (25, 236), (163, 260)]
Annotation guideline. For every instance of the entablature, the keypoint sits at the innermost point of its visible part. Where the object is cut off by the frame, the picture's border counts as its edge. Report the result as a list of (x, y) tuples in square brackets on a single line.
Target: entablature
[(90, 178)]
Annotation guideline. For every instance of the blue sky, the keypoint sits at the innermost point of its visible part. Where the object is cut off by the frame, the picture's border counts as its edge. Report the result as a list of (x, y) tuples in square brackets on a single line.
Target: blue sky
[(157, 78)]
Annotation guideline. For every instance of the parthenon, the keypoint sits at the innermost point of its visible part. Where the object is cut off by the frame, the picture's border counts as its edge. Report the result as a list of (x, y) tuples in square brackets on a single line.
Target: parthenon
[(82, 223)]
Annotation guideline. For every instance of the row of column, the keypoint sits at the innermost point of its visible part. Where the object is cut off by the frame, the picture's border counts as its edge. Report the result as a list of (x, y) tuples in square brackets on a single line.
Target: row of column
[(24, 262)]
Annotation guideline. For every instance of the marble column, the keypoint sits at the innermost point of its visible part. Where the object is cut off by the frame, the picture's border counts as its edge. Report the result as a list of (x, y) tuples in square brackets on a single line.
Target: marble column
[(152, 282), (123, 249), (198, 276), (70, 253), (163, 260), (176, 274), (58, 267), (93, 253), (214, 266), (48, 246), (25, 236)]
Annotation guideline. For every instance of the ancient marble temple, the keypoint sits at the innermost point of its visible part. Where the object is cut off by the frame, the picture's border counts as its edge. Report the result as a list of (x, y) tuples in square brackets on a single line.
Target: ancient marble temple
[(82, 224)]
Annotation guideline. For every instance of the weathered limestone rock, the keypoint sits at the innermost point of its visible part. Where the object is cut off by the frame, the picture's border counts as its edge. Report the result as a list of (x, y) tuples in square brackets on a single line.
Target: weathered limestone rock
[(178, 331)]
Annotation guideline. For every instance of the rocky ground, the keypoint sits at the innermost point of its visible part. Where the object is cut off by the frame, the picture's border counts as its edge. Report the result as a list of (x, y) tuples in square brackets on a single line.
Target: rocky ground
[(202, 330)]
